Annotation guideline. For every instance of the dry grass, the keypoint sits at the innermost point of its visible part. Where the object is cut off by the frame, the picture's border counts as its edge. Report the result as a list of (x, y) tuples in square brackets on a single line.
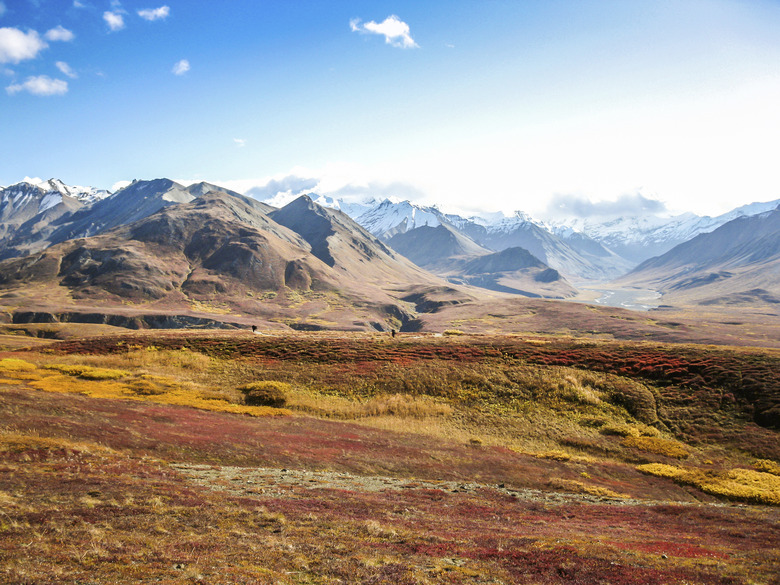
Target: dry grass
[(657, 445), (556, 455), (15, 365), (107, 383), (736, 484), (266, 393), (767, 466), (88, 372), (15, 442), (492, 426), (402, 406)]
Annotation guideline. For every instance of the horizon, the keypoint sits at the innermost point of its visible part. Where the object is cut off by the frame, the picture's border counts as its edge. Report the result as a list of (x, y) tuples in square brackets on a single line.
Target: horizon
[(601, 211), (471, 106)]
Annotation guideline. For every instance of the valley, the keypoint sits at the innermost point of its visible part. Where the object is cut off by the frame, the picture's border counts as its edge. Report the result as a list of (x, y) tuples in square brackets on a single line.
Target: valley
[(632, 299), (196, 386)]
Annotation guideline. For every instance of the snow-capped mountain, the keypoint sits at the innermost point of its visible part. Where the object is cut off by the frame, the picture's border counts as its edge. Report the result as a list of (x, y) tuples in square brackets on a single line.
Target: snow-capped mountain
[(578, 257), (638, 238), (86, 195), (21, 201), (737, 263), (389, 218), (352, 208)]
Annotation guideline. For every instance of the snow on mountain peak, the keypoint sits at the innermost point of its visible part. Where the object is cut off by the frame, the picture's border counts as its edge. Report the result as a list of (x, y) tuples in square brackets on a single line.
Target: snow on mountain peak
[(86, 195), (390, 217)]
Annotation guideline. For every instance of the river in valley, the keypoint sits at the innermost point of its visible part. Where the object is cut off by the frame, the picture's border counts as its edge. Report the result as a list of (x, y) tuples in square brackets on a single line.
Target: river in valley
[(633, 299)]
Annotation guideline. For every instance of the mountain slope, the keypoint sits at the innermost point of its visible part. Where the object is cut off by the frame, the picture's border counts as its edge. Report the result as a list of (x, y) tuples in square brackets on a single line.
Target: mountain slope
[(29, 213), (434, 247), (577, 258), (639, 238), (342, 244), (737, 263), (221, 249), (515, 271), (64, 212)]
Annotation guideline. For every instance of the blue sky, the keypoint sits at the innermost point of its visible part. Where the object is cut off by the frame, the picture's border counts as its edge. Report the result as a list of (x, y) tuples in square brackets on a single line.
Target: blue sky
[(471, 104)]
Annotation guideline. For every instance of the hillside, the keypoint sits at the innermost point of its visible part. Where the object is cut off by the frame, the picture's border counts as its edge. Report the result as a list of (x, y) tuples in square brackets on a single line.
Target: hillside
[(224, 255), (737, 264), (312, 458)]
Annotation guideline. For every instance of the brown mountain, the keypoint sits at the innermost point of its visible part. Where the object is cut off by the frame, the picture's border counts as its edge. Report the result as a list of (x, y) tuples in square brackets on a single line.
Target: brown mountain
[(222, 252)]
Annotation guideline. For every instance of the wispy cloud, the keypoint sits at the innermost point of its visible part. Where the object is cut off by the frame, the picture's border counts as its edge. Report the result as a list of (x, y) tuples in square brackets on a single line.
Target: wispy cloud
[(395, 31), (114, 20), (240, 142), (59, 33), (66, 69), (16, 46), (625, 205), (181, 67), (155, 13), (290, 185), (77, 4), (42, 85)]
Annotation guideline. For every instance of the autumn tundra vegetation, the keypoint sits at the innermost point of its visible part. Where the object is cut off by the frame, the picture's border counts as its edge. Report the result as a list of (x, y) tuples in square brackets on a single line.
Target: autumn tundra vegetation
[(192, 457)]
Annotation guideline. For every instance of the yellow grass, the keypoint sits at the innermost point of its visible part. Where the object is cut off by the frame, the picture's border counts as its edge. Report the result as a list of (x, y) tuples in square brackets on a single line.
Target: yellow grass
[(121, 384), (667, 447), (15, 365), (12, 441), (767, 466), (399, 405), (555, 454), (736, 484), (88, 372)]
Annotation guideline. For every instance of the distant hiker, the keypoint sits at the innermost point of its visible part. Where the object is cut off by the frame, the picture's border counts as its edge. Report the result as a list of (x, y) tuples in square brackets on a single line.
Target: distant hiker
[(254, 328), (392, 332)]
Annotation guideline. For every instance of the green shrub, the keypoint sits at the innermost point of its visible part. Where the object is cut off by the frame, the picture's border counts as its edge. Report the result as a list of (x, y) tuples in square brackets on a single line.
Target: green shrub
[(265, 393), (620, 430)]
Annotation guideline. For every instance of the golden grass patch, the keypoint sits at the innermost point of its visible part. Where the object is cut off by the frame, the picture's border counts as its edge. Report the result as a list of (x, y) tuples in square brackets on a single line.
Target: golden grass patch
[(88, 372), (555, 454), (767, 466), (15, 365), (736, 484), (266, 393), (657, 445), (403, 406), (12, 441), (620, 429), (111, 383)]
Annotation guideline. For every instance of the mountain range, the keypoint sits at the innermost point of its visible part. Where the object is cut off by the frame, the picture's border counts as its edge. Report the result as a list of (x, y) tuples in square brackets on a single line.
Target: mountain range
[(160, 241)]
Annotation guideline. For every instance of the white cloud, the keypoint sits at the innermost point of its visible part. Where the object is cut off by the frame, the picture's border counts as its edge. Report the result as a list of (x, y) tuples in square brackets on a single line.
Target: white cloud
[(59, 33), (114, 20), (66, 69), (629, 204), (240, 142), (181, 67), (42, 85), (16, 46), (155, 13), (77, 4), (119, 185), (395, 31)]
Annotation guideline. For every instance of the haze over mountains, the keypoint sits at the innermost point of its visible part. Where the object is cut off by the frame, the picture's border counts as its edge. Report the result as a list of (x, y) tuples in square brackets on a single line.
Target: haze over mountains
[(162, 241)]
